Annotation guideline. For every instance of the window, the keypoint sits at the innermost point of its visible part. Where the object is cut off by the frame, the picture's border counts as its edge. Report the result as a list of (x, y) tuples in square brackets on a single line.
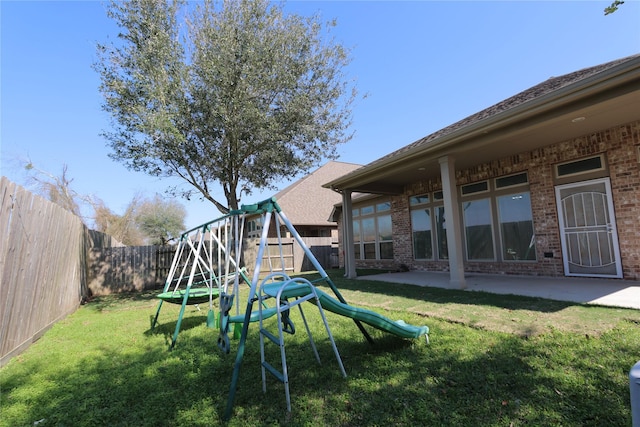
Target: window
[(478, 229), (356, 239), (369, 237), (383, 207), (512, 180), (419, 200), (373, 232), (421, 229), (385, 237), (254, 228), (367, 210), (441, 233), (477, 187), (498, 221), (516, 227), (580, 166)]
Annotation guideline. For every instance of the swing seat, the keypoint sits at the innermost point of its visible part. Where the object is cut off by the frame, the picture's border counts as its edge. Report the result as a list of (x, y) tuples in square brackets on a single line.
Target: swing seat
[(196, 296), (255, 315)]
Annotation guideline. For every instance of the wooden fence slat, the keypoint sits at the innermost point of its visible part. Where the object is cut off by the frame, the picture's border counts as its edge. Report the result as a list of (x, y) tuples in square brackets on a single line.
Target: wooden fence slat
[(42, 246)]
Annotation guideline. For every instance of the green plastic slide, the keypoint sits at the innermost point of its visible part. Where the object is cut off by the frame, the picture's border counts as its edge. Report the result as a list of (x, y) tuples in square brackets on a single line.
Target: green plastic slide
[(378, 321)]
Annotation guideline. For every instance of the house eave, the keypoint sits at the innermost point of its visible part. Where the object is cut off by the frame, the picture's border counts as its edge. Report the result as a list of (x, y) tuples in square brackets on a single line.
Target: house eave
[(616, 81)]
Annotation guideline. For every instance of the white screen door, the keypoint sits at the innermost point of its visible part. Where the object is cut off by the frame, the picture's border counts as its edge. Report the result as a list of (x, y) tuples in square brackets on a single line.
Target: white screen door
[(588, 229)]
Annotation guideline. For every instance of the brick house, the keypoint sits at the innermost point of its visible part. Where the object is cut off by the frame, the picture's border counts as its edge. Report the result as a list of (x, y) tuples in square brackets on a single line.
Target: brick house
[(546, 182)]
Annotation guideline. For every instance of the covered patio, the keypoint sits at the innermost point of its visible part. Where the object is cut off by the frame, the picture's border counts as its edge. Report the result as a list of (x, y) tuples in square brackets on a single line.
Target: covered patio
[(608, 292), (543, 184)]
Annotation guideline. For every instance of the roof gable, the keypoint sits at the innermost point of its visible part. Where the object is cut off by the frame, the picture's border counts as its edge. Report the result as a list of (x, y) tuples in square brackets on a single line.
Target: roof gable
[(306, 202)]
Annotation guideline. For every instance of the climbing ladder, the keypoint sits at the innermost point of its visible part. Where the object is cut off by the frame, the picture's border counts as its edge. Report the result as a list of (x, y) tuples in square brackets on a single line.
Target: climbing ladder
[(284, 289)]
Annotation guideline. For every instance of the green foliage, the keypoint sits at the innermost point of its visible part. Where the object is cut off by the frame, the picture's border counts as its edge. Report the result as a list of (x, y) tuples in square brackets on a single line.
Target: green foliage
[(234, 93), (161, 220), (123, 227), (615, 5), (103, 366)]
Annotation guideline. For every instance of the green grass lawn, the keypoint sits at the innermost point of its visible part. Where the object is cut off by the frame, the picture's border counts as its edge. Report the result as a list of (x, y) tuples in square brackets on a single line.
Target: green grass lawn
[(493, 360)]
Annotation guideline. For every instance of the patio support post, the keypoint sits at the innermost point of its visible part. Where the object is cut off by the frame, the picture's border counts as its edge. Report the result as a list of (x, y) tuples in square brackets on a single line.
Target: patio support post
[(451, 216), (347, 241)]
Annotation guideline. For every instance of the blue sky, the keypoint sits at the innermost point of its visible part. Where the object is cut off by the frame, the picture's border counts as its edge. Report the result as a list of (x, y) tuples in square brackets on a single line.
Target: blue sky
[(423, 64)]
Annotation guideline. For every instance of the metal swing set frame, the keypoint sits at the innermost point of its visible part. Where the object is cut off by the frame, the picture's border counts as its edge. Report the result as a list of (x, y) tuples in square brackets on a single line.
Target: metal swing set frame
[(206, 267)]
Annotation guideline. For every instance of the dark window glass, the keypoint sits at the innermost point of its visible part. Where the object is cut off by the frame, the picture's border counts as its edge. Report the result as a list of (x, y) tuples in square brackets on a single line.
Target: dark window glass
[(477, 223), (593, 163), (508, 181), (441, 233), (475, 188), (421, 227), (516, 226), (386, 250)]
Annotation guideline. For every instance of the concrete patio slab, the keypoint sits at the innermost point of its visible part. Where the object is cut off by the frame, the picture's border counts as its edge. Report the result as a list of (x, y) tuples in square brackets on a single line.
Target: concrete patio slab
[(608, 292)]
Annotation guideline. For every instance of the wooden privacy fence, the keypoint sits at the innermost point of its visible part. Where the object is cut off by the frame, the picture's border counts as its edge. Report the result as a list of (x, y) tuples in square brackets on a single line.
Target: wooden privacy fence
[(128, 268), (293, 256), (137, 268), (42, 264), (44, 255)]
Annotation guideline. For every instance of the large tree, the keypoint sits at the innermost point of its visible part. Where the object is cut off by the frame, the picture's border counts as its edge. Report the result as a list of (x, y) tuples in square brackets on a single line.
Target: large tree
[(236, 93), (123, 228), (160, 220)]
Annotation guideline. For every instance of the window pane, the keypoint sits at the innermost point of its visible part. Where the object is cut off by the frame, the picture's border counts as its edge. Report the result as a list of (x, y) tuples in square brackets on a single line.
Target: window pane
[(356, 231), (366, 210), (384, 228), (508, 181), (421, 227), (386, 250), (356, 251), (441, 234), (579, 166), (383, 207), (369, 251), (368, 230), (417, 200), (475, 188), (516, 226), (477, 226)]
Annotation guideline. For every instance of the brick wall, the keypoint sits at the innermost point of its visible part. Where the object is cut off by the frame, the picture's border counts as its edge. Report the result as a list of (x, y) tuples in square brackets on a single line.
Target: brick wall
[(621, 145)]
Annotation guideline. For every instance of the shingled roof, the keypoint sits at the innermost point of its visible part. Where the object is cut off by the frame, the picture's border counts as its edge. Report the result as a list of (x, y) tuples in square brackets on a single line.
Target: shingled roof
[(548, 86), (306, 202), (539, 95)]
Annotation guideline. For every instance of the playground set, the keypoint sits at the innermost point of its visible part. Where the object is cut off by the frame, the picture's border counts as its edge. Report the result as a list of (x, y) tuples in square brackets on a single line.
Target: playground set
[(207, 266)]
